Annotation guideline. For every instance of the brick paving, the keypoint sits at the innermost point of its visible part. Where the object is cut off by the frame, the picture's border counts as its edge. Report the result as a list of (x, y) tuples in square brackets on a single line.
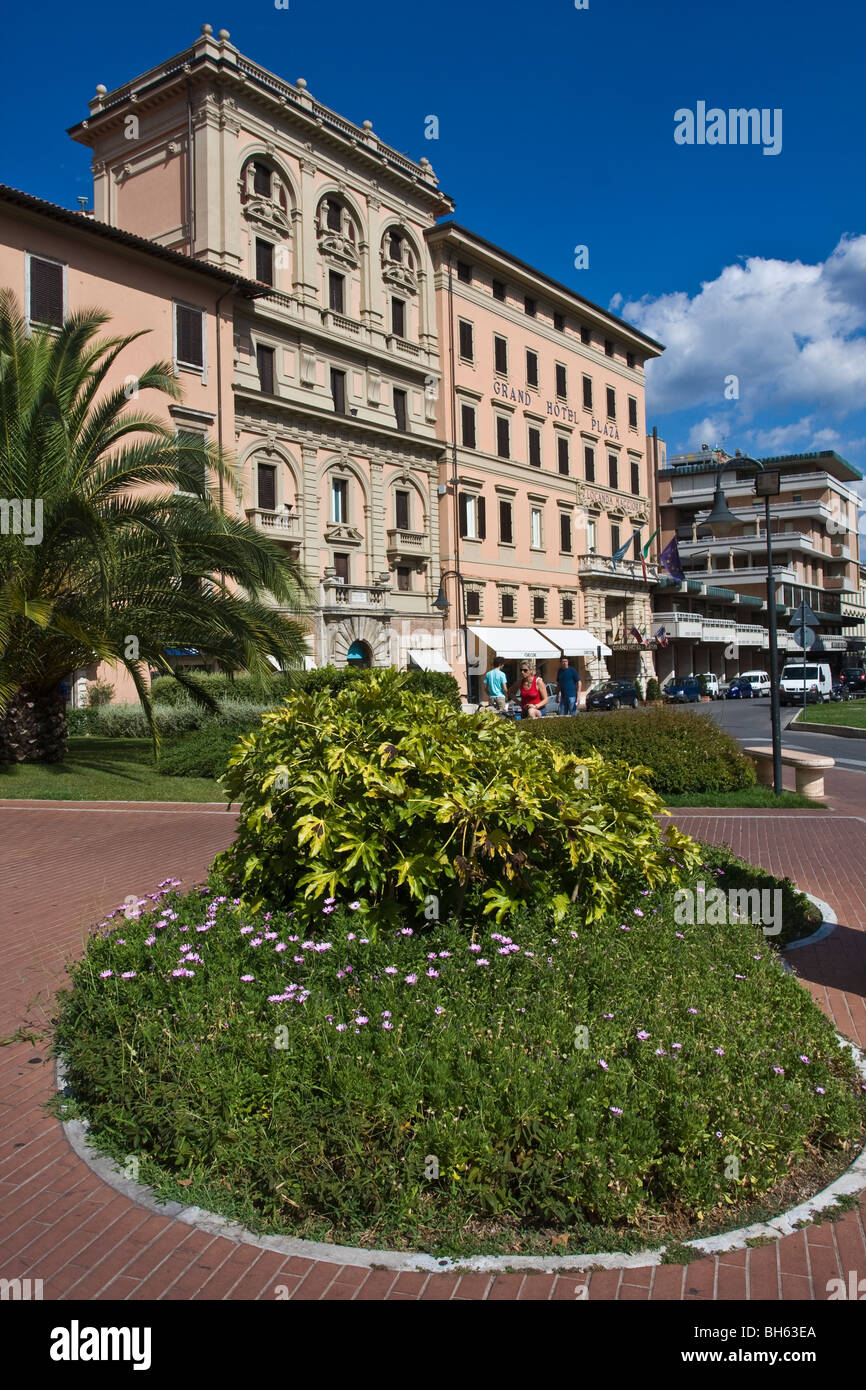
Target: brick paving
[(64, 865)]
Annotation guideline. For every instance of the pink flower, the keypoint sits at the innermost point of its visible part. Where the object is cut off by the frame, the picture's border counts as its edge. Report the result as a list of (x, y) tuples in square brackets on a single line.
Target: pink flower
[(473, 947), (410, 979), (444, 955), (637, 912), (387, 1025), (341, 1027), (439, 1009), (248, 979), (353, 907), (482, 961), (691, 1011), (804, 1059), (680, 935), (104, 974), (603, 1065), (281, 946), (720, 1051), (434, 974), (642, 1035), (780, 1071), (362, 1018), (150, 940), (614, 1110), (390, 970), (820, 1090)]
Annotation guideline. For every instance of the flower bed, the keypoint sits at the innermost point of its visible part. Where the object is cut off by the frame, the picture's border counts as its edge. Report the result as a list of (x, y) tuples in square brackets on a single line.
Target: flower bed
[(525, 1088)]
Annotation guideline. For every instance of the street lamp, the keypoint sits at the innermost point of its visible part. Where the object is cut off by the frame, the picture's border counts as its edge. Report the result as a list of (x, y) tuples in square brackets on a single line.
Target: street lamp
[(441, 603), (720, 520)]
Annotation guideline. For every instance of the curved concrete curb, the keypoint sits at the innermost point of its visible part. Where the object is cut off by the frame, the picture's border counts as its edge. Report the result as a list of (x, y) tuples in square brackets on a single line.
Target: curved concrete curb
[(853, 1180), (829, 922), (837, 730)]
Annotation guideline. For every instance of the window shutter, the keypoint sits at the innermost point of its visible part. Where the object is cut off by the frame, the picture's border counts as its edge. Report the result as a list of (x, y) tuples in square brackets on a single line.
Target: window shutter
[(481, 512), (587, 393), (190, 344), (46, 292), (267, 489), (464, 515)]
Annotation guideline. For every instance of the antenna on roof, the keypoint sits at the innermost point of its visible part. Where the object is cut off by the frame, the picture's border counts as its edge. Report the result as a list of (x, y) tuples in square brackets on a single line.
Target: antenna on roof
[(82, 201)]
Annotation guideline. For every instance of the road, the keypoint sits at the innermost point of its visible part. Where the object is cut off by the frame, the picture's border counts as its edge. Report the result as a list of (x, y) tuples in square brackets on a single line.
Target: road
[(749, 721)]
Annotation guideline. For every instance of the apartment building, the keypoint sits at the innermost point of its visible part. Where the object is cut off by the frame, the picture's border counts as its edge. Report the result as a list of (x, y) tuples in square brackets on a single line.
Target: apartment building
[(716, 619), (546, 475), (335, 365), (407, 404), (58, 263)]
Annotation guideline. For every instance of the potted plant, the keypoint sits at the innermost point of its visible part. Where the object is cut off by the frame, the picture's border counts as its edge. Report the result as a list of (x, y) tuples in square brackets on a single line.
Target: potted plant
[(638, 685), (653, 692), (705, 690)]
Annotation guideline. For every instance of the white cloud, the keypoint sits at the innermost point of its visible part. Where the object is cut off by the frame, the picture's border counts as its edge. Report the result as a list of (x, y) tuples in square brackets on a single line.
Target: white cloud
[(792, 335)]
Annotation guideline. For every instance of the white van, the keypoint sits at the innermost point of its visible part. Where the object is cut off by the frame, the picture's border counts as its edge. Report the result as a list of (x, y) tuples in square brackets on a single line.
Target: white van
[(818, 682), (713, 688), (759, 681)]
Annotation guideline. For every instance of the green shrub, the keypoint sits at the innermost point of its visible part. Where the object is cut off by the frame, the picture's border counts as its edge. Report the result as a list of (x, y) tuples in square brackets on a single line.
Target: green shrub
[(100, 693), (653, 689), (166, 691), (128, 721), (380, 793), (683, 751), (202, 753), (591, 1081)]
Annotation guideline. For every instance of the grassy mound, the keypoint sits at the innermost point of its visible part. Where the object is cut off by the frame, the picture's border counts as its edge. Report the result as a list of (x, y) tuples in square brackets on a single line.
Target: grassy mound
[(523, 1089)]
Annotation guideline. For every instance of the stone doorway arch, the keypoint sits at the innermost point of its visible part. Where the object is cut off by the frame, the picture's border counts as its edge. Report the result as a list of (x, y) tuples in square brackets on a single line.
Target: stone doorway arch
[(364, 634)]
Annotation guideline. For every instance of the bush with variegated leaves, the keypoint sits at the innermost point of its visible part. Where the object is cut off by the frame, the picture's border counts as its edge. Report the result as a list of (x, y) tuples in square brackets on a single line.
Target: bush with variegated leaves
[(396, 799)]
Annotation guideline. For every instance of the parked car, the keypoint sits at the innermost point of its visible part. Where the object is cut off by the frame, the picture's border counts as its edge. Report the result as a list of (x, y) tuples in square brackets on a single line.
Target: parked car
[(612, 695), (740, 688), (854, 677), (814, 675), (685, 691), (759, 681)]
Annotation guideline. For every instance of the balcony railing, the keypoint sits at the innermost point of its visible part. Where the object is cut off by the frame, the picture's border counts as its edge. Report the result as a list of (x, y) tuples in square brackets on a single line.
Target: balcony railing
[(361, 596), (413, 542), (623, 569), (281, 526)]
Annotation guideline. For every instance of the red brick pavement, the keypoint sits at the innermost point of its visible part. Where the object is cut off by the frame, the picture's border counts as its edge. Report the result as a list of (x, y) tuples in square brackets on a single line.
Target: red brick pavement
[(65, 865)]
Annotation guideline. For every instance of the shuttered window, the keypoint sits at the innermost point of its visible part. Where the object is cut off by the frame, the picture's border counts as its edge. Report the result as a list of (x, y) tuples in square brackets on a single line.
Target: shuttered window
[(189, 333), (264, 261), (267, 487), (46, 292)]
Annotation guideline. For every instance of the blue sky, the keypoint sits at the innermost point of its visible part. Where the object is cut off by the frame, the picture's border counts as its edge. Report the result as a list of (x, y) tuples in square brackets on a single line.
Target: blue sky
[(556, 129)]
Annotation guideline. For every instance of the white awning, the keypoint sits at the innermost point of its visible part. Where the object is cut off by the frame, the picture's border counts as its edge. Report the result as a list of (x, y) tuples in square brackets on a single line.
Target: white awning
[(429, 660), (575, 641), (515, 643)]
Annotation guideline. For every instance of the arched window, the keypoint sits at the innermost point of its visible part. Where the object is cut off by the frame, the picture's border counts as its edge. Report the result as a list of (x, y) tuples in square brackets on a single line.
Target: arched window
[(337, 231)]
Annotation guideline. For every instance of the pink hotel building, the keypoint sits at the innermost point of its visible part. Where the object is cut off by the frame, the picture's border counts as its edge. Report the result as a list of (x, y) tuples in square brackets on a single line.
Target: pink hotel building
[(401, 399)]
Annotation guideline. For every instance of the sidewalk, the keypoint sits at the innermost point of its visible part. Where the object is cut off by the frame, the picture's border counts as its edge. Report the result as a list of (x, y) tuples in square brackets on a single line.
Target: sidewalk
[(64, 865)]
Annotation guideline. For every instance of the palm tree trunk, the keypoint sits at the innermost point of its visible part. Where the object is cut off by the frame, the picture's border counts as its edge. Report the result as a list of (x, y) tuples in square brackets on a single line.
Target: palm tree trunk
[(33, 729)]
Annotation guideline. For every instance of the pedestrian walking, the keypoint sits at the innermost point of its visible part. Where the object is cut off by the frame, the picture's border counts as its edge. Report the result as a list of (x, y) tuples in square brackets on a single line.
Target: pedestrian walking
[(569, 687), (497, 686)]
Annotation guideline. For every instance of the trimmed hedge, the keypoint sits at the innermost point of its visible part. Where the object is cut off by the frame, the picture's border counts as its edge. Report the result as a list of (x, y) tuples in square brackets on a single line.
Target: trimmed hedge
[(203, 753), (166, 691), (128, 721), (683, 752)]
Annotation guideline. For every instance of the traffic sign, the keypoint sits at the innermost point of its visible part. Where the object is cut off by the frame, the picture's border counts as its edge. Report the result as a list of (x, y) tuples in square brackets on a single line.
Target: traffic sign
[(804, 637), (803, 616)]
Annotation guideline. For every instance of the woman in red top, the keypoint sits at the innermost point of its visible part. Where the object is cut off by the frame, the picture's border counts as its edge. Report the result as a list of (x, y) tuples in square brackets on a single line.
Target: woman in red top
[(533, 694)]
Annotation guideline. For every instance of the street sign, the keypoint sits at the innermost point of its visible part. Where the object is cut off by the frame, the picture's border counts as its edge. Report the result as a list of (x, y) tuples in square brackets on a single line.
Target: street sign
[(804, 637), (803, 616)]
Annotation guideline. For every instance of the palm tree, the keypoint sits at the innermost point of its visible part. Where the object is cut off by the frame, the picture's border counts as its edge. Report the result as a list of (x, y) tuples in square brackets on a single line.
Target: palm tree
[(126, 561)]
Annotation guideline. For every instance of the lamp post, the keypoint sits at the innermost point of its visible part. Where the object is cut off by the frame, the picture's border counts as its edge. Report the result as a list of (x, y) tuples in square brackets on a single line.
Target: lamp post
[(721, 519), (441, 603)]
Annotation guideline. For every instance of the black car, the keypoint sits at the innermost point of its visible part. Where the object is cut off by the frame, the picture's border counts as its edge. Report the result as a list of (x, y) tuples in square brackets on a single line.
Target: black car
[(612, 695), (854, 678)]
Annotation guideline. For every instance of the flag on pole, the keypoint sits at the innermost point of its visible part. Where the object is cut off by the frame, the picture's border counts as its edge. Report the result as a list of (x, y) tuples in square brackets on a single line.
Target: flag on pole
[(620, 554), (646, 549), (638, 636), (662, 637), (670, 560)]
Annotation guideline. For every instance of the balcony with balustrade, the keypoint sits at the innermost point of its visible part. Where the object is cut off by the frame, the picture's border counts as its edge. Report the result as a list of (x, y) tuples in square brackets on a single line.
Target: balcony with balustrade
[(283, 526)]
